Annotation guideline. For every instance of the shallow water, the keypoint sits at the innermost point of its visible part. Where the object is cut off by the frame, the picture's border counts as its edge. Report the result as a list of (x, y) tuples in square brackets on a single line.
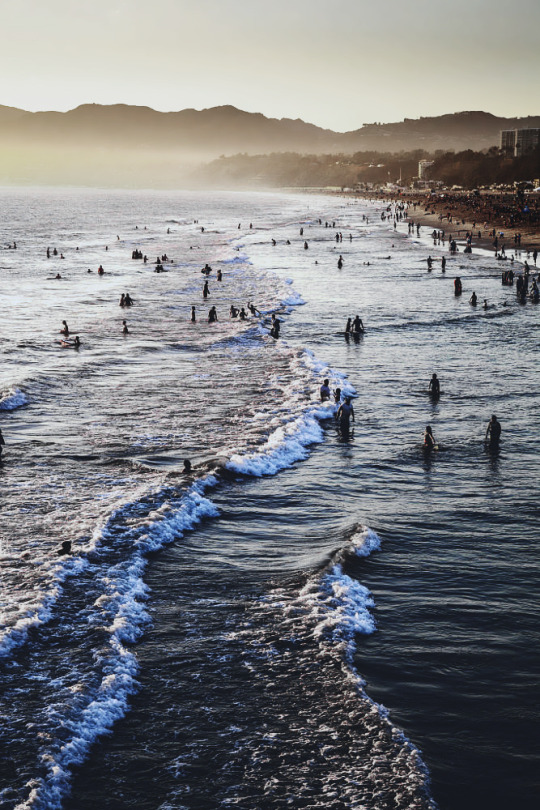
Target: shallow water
[(239, 638)]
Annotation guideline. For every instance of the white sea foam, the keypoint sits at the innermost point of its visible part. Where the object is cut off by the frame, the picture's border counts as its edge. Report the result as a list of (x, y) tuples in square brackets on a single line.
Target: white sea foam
[(11, 399), (120, 609)]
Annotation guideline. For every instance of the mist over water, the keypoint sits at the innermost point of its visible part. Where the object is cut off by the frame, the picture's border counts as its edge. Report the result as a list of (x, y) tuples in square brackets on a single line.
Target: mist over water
[(308, 620)]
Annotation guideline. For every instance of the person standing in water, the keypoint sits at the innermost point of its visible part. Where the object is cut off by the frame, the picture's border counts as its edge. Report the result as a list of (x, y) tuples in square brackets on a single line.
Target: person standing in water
[(473, 300), (493, 432), (434, 386), (193, 318), (205, 291), (325, 390), (125, 330), (2, 443), (345, 414), (357, 325), (348, 325), (429, 441)]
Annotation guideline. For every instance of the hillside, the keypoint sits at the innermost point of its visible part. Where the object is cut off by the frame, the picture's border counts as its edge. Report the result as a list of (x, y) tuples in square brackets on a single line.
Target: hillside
[(138, 146)]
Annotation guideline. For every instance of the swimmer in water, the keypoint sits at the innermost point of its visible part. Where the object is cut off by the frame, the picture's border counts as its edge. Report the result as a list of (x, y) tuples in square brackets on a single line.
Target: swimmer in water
[(434, 386), (345, 414), (493, 432), (429, 441), (473, 300), (337, 396), (187, 467), (125, 330), (325, 390), (65, 548), (2, 442), (357, 325)]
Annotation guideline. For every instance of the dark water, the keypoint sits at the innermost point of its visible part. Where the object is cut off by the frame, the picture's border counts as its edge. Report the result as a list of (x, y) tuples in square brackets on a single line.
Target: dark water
[(241, 639)]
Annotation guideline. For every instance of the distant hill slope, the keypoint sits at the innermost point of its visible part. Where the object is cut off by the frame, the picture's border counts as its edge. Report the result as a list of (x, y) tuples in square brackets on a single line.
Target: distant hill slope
[(137, 146), (227, 130)]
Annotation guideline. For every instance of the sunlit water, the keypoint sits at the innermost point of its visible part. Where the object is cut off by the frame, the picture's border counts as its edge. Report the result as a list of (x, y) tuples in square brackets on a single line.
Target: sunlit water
[(310, 620)]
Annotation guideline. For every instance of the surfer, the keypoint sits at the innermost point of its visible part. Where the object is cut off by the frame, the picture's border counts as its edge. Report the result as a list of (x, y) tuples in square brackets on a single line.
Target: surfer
[(434, 386), (493, 432), (345, 414), (429, 441), (325, 390), (65, 329)]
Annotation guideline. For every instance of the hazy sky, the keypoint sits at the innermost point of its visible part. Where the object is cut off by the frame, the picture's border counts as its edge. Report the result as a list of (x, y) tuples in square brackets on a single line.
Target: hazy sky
[(335, 63)]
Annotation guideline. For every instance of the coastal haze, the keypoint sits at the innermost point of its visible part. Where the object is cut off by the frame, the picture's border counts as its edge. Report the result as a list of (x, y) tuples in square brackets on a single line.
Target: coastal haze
[(137, 147)]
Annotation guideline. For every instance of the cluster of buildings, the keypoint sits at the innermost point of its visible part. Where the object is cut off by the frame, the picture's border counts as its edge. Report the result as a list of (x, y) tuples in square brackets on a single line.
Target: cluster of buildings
[(518, 142)]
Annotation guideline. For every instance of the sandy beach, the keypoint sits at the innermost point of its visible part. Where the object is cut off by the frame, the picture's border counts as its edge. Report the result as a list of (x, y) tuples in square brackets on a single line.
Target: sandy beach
[(433, 211)]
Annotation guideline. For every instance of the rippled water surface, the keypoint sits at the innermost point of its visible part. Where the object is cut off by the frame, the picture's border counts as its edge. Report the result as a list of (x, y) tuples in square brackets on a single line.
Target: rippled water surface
[(310, 619)]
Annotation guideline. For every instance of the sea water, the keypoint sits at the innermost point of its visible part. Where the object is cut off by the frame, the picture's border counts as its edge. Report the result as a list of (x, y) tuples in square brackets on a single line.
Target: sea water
[(310, 619)]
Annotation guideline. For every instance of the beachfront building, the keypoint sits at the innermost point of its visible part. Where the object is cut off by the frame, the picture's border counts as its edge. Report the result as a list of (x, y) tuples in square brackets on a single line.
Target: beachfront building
[(508, 141), (518, 142), (423, 169)]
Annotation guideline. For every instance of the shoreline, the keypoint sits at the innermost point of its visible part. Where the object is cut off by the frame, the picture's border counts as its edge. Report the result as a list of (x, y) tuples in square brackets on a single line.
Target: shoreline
[(428, 212)]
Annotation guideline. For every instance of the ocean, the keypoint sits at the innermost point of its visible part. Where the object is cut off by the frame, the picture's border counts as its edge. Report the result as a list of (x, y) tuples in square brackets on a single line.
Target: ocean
[(310, 619)]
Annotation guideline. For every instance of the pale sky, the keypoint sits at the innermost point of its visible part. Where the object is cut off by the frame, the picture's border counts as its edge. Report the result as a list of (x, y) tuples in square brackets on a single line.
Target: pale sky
[(335, 63)]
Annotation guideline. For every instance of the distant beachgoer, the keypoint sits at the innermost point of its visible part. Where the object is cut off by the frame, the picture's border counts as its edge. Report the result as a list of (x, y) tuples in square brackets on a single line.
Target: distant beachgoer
[(101, 270), (2, 442), (122, 300), (193, 317), (65, 329), (242, 314), (493, 431), (205, 291), (443, 264), (125, 330), (233, 311), (187, 466), (357, 325), (58, 275), (219, 275), (485, 304), (340, 262), (276, 325), (65, 548), (128, 300), (345, 414), (325, 390), (457, 286), (473, 300), (434, 386), (429, 263), (348, 325), (337, 396), (212, 315), (306, 245), (429, 441)]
